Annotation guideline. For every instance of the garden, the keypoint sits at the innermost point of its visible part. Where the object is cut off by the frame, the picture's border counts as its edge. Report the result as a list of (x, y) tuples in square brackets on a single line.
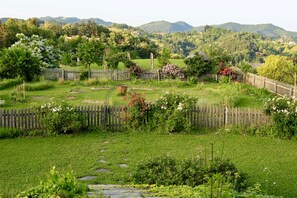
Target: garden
[(258, 154), (53, 134)]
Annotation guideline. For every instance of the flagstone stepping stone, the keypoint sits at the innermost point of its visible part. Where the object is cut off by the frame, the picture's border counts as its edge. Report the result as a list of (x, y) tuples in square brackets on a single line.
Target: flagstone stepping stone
[(115, 191), (103, 170), (102, 161), (106, 142), (103, 150), (87, 178), (123, 165)]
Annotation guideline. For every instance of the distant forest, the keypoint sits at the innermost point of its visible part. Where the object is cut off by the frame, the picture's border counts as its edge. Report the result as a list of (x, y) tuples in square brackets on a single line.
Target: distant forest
[(240, 46)]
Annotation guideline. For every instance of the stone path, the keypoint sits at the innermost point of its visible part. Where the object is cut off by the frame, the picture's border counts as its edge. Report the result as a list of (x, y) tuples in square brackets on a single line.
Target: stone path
[(114, 191), (110, 191)]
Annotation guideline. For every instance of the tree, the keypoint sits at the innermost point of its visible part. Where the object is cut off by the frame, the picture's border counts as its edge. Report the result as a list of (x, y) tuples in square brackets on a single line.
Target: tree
[(40, 48), (19, 61), (279, 68), (164, 57), (91, 51), (197, 65), (114, 57)]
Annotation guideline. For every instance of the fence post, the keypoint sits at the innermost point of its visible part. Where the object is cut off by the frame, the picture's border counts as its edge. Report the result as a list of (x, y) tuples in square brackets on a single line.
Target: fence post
[(159, 75), (63, 74), (225, 116)]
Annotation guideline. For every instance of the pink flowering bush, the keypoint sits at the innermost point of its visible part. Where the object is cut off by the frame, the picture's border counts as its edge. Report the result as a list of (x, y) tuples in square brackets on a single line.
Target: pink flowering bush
[(284, 115), (173, 71), (136, 110)]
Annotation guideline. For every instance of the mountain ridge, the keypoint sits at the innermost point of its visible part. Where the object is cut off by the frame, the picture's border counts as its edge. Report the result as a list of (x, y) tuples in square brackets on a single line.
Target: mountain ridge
[(268, 29)]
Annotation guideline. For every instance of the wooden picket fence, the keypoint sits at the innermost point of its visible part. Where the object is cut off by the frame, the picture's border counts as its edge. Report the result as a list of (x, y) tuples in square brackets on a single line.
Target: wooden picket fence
[(113, 118), (276, 87)]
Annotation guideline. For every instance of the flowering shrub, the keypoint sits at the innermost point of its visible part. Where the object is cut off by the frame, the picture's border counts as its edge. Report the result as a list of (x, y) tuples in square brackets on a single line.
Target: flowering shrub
[(226, 70), (61, 118), (284, 115), (173, 71), (170, 112), (136, 110)]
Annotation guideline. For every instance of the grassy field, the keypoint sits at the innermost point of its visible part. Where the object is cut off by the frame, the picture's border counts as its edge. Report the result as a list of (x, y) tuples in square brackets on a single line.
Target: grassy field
[(25, 161), (105, 92), (142, 63)]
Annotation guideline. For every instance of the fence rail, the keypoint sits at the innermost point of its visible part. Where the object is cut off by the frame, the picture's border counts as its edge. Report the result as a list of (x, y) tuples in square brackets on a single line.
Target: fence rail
[(114, 117), (276, 87)]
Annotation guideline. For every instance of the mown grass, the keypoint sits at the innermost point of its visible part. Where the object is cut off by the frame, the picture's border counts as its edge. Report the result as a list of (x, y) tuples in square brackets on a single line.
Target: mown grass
[(142, 63), (25, 161), (101, 92)]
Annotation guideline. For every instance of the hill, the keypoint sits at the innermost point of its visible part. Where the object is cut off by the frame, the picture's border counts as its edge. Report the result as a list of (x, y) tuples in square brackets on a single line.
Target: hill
[(268, 30), (72, 20), (166, 27)]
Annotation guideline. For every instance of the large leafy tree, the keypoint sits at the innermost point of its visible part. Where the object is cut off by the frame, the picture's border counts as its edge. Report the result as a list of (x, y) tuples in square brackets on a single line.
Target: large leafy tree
[(279, 68), (91, 51), (19, 61), (40, 48)]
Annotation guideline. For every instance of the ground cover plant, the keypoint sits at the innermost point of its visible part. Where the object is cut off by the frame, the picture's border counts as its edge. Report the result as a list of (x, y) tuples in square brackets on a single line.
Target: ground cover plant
[(26, 161)]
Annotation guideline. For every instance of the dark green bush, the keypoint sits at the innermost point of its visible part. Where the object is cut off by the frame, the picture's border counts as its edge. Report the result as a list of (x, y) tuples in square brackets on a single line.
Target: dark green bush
[(11, 133), (191, 172)]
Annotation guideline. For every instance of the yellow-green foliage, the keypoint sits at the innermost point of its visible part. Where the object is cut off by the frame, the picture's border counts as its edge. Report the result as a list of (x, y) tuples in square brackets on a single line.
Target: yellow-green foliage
[(279, 68)]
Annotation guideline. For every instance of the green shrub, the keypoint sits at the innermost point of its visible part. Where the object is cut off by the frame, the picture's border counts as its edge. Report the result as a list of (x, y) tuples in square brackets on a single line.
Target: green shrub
[(192, 172), (284, 115), (7, 83), (57, 185), (170, 112), (61, 118), (224, 79), (11, 133)]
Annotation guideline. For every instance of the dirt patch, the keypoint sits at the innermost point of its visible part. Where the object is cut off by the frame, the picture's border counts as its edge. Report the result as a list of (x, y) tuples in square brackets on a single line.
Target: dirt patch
[(77, 91), (100, 88), (93, 101), (39, 97)]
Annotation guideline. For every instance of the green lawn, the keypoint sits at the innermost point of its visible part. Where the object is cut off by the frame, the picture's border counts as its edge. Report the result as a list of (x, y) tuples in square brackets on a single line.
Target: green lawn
[(82, 93), (142, 63), (25, 161)]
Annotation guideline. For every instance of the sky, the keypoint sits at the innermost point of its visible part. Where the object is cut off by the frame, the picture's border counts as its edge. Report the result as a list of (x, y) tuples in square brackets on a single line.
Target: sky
[(132, 12)]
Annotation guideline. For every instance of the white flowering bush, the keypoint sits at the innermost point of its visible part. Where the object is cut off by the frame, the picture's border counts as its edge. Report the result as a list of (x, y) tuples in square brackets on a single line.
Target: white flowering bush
[(170, 112), (2, 102), (61, 118), (173, 71), (284, 115)]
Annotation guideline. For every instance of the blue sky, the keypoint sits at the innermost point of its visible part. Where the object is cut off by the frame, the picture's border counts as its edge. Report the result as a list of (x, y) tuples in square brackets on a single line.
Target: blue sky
[(132, 12)]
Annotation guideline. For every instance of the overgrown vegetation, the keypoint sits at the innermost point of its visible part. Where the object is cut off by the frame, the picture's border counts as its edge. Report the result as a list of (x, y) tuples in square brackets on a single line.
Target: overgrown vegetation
[(57, 185)]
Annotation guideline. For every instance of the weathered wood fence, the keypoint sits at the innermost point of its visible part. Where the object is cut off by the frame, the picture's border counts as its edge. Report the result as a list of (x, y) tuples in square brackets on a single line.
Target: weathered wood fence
[(114, 117), (276, 87), (56, 73)]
